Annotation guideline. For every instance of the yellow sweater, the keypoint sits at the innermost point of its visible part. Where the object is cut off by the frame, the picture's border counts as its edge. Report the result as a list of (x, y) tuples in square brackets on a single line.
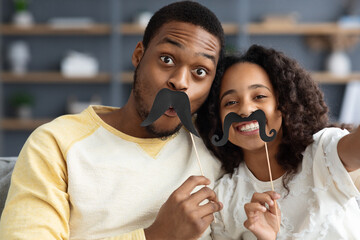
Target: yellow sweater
[(79, 178)]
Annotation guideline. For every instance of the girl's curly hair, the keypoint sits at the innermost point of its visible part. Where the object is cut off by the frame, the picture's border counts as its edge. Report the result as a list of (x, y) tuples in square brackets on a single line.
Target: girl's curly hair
[(299, 99)]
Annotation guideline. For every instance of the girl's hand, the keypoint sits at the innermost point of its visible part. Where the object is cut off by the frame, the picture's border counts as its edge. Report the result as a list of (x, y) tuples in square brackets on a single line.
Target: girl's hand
[(262, 221)]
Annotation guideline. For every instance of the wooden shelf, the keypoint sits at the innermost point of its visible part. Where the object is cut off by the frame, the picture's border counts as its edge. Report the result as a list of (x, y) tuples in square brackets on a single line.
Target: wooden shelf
[(136, 29), (15, 124), (51, 77), (299, 29), (95, 29), (47, 29), (328, 78), (57, 77), (127, 77)]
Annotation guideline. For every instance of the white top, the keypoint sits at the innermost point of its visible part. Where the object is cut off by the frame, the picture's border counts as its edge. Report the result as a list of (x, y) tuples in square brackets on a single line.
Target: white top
[(321, 203)]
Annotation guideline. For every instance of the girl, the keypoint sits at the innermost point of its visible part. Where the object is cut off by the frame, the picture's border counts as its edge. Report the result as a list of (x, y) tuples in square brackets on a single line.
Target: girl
[(310, 163)]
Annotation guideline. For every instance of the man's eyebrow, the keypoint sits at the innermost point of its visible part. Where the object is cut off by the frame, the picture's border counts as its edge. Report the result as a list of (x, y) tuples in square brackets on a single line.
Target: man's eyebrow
[(175, 43), (211, 57), (227, 93), (168, 40)]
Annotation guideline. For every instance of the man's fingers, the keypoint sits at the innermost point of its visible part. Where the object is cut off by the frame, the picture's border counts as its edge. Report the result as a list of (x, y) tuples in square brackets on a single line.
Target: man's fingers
[(188, 186), (209, 208), (202, 194)]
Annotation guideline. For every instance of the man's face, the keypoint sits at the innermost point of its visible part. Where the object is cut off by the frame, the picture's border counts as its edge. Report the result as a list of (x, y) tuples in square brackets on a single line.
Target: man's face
[(181, 57)]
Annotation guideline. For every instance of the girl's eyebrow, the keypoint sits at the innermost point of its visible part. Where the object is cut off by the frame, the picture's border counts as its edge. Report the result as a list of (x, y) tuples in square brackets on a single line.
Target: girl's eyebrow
[(254, 86), (227, 93)]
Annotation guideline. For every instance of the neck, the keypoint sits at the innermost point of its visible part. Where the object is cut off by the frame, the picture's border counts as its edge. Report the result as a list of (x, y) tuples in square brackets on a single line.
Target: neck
[(126, 120), (256, 161)]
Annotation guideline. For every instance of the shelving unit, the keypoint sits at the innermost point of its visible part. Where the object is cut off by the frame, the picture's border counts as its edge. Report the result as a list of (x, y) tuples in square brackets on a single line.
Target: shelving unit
[(299, 29), (46, 29), (113, 26), (52, 77), (14, 124)]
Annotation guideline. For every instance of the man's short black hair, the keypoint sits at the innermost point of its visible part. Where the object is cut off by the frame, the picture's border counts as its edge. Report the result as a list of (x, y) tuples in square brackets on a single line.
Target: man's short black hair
[(188, 12)]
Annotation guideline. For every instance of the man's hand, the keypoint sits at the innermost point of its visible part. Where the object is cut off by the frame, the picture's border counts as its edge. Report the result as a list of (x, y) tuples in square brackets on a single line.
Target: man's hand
[(262, 221), (181, 216)]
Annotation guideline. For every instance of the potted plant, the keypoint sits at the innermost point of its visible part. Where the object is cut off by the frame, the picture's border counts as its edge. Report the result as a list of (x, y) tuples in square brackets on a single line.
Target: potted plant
[(22, 16), (22, 103)]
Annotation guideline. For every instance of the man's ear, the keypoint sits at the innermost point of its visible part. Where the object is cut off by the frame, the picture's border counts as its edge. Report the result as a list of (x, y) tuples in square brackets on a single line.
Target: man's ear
[(137, 54)]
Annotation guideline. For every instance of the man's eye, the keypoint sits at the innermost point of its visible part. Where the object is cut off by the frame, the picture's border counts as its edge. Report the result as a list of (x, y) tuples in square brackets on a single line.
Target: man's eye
[(200, 72), (167, 59)]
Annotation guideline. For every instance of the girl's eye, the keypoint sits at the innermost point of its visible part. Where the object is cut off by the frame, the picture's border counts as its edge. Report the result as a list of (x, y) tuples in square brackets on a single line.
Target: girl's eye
[(200, 72), (260, 96), (230, 103), (166, 59)]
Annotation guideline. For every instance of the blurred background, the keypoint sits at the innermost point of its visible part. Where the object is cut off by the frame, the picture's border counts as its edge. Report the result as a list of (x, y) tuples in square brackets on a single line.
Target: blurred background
[(58, 56)]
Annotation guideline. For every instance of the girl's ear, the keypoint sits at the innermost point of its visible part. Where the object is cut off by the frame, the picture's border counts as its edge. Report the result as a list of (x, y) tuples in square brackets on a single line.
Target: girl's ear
[(137, 54)]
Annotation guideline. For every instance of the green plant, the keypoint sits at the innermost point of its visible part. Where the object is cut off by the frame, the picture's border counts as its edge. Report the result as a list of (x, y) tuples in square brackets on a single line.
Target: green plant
[(22, 98), (21, 5)]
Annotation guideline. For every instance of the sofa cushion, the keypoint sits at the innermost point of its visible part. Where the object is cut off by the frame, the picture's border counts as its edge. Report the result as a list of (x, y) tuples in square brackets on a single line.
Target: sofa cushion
[(6, 168)]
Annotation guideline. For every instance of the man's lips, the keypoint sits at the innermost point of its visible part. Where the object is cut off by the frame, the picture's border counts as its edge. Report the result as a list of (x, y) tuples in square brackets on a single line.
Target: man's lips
[(170, 112)]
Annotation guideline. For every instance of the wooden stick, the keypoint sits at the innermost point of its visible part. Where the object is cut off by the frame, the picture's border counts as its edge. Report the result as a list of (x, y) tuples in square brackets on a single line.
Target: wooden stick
[(198, 160), (197, 155), (272, 184)]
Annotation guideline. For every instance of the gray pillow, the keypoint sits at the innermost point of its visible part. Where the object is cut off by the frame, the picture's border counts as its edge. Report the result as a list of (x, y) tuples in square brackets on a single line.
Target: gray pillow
[(6, 168)]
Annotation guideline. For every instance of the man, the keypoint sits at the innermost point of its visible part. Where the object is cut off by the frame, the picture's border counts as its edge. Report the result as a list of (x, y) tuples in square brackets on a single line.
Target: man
[(99, 174)]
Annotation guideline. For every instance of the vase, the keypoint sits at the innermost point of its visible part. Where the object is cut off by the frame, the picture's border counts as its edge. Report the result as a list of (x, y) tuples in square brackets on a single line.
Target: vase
[(338, 63)]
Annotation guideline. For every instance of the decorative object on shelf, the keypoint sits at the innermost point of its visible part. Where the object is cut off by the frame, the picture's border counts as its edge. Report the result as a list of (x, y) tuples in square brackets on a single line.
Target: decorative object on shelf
[(22, 103), (281, 19), (77, 64), (338, 63), (142, 18), (22, 17), (349, 112), (349, 22), (74, 106), (71, 22), (18, 57)]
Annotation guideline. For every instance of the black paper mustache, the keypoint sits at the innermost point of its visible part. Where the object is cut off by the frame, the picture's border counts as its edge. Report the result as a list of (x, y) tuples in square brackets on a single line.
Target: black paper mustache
[(232, 117), (179, 101)]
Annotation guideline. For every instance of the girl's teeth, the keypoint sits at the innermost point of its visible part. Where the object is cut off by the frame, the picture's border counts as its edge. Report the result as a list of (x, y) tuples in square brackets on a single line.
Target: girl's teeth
[(250, 127)]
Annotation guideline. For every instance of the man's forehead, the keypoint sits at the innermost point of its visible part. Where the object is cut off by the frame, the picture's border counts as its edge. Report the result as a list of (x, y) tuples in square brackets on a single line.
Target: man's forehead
[(179, 33)]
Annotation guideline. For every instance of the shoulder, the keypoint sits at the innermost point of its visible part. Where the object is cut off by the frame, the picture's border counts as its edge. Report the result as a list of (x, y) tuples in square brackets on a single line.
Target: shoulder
[(64, 130), (326, 139), (323, 158), (328, 133)]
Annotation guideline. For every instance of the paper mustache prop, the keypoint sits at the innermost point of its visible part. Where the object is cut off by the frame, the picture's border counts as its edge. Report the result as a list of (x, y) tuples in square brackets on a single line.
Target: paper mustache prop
[(232, 117), (177, 100)]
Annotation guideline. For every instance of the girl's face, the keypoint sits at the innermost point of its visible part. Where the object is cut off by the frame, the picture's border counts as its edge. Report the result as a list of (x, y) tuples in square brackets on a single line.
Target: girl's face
[(245, 88)]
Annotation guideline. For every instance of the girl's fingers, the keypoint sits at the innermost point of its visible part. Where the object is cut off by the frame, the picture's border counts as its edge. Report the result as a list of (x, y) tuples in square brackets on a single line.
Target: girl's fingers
[(252, 208), (274, 196), (266, 197)]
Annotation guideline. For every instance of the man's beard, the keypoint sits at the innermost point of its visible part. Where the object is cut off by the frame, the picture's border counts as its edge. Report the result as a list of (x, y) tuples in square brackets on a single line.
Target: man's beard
[(142, 111)]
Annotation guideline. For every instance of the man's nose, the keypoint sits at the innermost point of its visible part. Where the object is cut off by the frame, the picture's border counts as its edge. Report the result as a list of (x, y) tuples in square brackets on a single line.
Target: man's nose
[(179, 80)]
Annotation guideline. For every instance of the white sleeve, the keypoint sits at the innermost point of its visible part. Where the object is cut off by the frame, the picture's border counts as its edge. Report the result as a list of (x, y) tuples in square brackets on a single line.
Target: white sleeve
[(328, 164)]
